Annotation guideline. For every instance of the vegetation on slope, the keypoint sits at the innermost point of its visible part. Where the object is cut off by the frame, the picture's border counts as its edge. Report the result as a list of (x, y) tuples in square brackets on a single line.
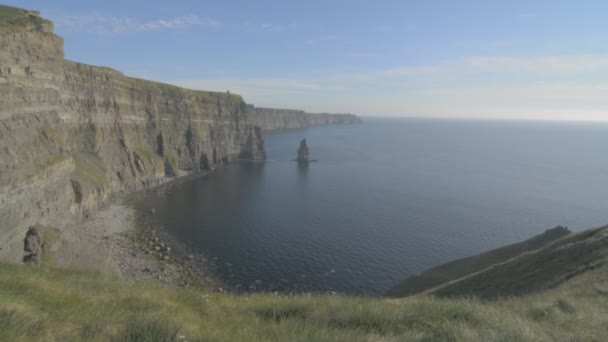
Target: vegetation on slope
[(90, 168), (535, 271), (39, 304), (462, 267), (7, 13), (13, 16), (176, 91)]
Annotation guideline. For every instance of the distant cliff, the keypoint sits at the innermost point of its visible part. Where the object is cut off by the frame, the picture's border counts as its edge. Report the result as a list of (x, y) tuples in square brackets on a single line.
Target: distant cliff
[(272, 119), (71, 134)]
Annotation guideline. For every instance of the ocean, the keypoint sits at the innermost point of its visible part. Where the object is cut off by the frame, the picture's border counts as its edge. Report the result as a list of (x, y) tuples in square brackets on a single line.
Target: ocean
[(387, 199)]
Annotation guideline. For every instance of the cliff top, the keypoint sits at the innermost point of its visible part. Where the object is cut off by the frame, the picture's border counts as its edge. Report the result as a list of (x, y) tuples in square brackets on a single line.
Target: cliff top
[(8, 12), (18, 18), (88, 306), (14, 18)]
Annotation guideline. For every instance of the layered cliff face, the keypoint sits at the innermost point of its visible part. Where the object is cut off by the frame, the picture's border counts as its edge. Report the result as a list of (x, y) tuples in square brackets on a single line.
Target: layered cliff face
[(71, 134), (273, 119)]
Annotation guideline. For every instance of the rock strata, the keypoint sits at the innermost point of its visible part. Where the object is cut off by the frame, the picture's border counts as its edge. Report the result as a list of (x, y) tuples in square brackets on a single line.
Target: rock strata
[(273, 119), (72, 134)]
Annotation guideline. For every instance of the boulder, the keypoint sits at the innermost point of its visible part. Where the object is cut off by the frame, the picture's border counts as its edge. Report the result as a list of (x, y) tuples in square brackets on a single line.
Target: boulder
[(32, 247)]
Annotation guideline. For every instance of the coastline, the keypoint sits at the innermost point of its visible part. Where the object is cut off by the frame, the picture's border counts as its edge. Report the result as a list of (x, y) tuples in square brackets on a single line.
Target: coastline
[(113, 239)]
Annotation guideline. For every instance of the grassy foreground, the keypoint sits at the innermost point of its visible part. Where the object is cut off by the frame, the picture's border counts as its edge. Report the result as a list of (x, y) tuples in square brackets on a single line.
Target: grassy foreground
[(38, 304)]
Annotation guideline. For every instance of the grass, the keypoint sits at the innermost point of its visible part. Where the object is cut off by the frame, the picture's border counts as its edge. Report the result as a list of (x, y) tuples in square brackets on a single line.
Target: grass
[(50, 236), (537, 270), (151, 158), (41, 304), (173, 91), (12, 17), (462, 267), (8, 12)]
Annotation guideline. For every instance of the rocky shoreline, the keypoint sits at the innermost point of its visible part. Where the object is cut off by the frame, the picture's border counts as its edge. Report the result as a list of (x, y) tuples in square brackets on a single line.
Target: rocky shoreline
[(141, 252)]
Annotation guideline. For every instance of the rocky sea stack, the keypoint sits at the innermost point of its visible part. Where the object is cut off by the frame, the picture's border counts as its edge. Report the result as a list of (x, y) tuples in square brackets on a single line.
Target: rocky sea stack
[(303, 152)]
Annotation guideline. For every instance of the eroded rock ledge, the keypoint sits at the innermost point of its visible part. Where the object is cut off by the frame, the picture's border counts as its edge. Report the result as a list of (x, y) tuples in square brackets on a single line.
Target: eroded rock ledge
[(72, 134)]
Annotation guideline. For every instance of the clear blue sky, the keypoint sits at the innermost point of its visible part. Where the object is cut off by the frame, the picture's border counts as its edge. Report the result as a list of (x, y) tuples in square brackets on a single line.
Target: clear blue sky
[(494, 59)]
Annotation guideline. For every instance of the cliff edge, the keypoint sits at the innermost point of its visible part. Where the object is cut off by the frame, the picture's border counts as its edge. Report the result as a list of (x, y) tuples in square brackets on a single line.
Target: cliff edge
[(71, 134)]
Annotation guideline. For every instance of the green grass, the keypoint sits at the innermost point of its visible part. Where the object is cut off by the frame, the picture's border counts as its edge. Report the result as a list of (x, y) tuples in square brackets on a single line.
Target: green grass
[(150, 158), (51, 237), (12, 17), (40, 304), (8, 12), (178, 92), (462, 267), (536, 270)]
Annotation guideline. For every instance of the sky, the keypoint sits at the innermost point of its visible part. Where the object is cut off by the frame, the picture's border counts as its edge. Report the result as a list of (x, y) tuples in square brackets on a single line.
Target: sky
[(477, 59)]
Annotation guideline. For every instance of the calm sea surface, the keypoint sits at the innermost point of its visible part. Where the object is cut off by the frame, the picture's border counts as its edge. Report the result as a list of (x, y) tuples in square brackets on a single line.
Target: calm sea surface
[(387, 199)]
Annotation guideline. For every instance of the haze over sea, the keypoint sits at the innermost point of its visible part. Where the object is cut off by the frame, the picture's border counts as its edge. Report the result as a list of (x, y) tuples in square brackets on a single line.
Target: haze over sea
[(387, 199)]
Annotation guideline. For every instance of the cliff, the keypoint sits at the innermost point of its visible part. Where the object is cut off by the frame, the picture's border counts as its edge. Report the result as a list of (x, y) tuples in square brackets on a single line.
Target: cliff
[(71, 134), (273, 119)]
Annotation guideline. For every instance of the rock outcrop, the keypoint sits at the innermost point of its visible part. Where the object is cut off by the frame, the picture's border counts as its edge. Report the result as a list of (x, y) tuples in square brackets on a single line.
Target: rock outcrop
[(32, 247), (71, 134), (273, 119), (303, 152)]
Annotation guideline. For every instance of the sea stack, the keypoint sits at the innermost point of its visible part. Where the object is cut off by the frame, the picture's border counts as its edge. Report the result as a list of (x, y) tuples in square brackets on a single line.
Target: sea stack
[(303, 152)]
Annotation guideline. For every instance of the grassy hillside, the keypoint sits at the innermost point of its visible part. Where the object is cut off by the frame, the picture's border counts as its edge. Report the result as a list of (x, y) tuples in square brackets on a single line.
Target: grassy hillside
[(8, 12), (535, 271), (38, 304), (16, 16), (462, 267)]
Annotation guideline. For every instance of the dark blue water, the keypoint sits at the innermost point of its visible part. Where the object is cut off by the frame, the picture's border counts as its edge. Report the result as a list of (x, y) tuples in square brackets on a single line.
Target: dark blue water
[(389, 198)]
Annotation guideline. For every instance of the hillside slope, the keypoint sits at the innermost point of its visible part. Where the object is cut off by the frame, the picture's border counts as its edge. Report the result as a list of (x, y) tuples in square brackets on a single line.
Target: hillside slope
[(38, 304), (534, 271), (535, 265), (457, 269)]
